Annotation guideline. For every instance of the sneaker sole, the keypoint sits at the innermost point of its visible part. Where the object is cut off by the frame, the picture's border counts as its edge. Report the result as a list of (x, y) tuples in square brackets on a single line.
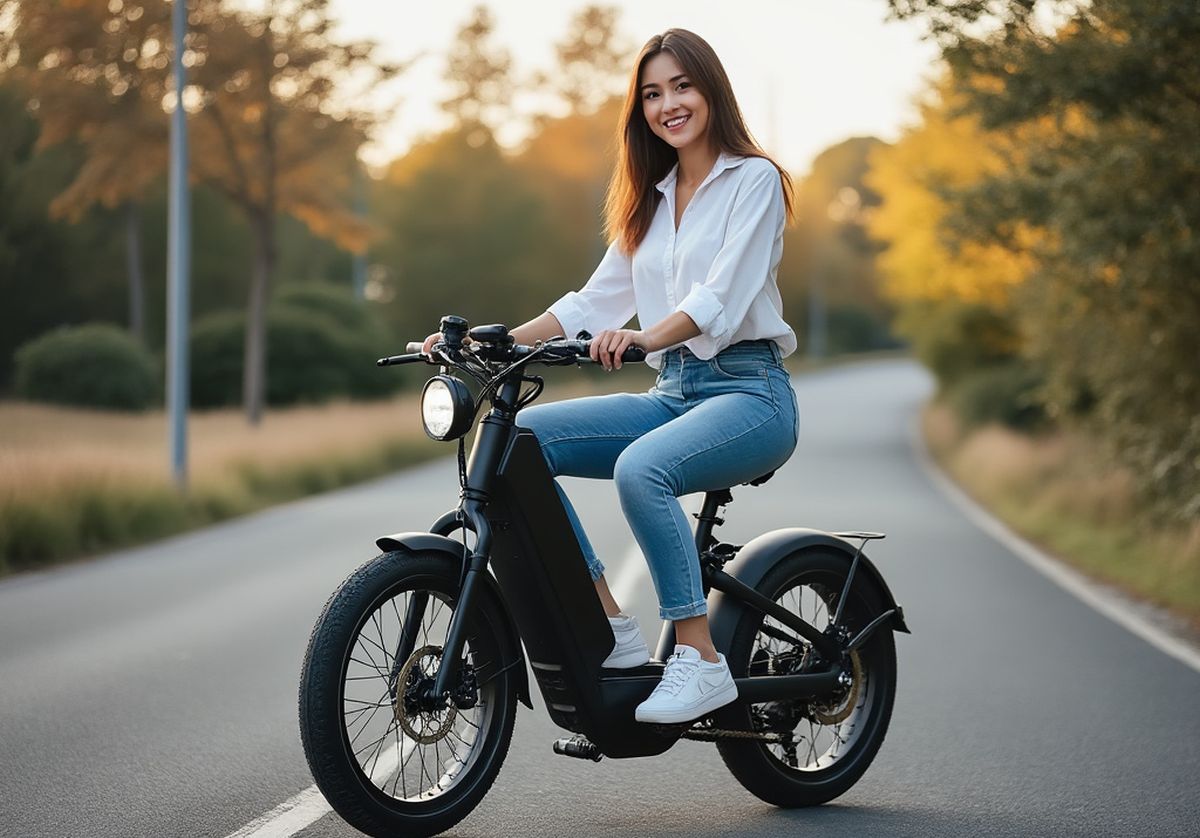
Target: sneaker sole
[(690, 714), (627, 660)]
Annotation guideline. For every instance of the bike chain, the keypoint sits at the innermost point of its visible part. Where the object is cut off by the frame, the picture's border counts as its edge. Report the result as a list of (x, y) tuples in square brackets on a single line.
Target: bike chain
[(715, 734)]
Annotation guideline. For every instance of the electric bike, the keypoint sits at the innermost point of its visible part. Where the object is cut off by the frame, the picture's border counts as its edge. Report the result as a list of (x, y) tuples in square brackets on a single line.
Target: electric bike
[(414, 669)]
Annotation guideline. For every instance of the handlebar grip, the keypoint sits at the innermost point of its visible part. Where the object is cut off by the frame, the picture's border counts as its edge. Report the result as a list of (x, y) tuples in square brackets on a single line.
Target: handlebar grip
[(633, 354), (413, 346)]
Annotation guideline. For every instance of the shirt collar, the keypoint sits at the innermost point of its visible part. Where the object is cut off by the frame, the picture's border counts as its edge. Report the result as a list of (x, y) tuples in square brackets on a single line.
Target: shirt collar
[(724, 161)]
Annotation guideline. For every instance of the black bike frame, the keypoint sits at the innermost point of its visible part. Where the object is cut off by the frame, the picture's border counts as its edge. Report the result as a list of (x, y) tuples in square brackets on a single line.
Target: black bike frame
[(524, 535)]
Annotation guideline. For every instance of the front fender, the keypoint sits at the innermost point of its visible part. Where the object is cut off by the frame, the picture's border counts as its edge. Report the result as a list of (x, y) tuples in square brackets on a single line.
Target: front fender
[(756, 559), (425, 542)]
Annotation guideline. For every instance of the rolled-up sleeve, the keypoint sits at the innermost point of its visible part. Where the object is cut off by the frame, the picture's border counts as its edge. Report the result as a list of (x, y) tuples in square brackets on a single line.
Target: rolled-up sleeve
[(752, 248), (606, 301)]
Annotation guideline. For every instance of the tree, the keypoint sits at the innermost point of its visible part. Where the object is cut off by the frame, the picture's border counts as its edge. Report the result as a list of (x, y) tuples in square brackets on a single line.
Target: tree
[(481, 77), (1112, 302), (271, 134), (96, 73), (594, 61), (464, 234)]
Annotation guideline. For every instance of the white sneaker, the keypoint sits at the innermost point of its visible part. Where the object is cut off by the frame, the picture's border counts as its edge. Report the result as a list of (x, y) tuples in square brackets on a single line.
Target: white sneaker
[(630, 649), (691, 687)]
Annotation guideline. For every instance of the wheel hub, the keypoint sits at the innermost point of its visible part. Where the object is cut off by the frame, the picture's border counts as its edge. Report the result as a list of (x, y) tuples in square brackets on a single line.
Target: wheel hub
[(837, 711), (423, 718)]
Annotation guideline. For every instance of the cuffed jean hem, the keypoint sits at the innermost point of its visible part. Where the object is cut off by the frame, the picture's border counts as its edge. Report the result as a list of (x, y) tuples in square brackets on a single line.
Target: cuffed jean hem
[(595, 569), (682, 612)]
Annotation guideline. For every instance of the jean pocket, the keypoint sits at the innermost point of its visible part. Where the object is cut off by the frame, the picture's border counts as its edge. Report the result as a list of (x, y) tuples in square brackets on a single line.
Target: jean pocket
[(743, 365)]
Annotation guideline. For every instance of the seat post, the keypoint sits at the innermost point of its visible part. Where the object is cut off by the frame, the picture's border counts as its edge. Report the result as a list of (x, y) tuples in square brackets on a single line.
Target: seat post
[(708, 518)]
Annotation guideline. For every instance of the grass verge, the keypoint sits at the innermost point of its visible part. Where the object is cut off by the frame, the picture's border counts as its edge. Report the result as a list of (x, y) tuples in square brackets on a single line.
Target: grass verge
[(1055, 491), (78, 482)]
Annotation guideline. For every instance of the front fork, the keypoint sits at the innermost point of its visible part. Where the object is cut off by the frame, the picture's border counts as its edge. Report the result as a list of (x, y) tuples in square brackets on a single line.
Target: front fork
[(451, 659), (490, 443)]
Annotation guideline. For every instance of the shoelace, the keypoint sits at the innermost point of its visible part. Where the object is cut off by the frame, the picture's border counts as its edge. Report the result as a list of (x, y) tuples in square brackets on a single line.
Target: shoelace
[(675, 675)]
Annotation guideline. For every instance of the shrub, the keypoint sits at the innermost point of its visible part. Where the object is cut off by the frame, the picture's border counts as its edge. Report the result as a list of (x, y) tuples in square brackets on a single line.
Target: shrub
[(854, 329), (309, 359), (1005, 394), (94, 365), (954, 339), (360, 328)]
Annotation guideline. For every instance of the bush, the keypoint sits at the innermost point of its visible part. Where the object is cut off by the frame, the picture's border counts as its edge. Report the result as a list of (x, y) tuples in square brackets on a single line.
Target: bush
[(1006, 394), (955, 339), (94, 365), (309, 359), (854, 329), (358, 324)]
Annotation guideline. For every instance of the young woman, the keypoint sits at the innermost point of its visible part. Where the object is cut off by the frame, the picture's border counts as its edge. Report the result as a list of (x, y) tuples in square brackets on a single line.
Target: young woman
[(696, 212)]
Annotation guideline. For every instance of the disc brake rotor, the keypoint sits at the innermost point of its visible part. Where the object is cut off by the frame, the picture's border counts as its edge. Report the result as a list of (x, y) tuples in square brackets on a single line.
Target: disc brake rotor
[(831, 714), (423, 727)]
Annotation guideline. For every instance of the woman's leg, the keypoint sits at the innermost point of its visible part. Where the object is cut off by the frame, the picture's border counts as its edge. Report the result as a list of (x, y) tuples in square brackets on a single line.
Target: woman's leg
[(583, 438), (724, 440)]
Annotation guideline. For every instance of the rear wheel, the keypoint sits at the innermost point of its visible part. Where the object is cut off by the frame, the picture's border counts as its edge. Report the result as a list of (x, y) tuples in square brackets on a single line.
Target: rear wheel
[(812, 751), (388, 757)]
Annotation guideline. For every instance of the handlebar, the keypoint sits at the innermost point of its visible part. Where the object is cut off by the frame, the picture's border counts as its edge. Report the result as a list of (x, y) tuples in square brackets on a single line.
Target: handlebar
[(552, 351)]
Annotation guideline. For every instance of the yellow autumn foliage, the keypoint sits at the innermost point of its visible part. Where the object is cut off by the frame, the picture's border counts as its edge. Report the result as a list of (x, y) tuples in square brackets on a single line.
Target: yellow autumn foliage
[(944, 151)]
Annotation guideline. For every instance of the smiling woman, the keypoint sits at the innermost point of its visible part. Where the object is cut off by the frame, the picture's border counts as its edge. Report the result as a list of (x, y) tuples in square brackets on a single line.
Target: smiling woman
[(695, 213)]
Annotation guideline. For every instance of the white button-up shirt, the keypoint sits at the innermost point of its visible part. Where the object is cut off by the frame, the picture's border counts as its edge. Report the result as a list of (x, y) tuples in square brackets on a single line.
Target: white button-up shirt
[(719, 266)]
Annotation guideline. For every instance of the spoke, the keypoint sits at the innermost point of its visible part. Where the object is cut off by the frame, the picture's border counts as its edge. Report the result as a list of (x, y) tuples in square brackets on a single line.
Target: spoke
[(399, 767), (379, 752), (365, 724), (374, 666), (387, 656)]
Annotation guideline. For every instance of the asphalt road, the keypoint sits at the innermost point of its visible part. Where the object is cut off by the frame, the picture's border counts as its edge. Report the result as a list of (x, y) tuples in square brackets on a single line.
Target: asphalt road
[(153, 692)]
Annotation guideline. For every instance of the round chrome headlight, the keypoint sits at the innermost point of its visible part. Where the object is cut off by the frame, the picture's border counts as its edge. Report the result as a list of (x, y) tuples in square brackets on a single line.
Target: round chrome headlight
[(446, 407)]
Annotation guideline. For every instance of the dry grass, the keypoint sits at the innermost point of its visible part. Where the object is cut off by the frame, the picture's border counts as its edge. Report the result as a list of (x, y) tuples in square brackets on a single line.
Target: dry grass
[(1056, 491), (75, 482)]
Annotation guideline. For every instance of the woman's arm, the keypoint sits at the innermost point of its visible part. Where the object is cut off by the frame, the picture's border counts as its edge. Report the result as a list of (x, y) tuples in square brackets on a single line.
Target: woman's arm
[(609, 345), (542, 327)]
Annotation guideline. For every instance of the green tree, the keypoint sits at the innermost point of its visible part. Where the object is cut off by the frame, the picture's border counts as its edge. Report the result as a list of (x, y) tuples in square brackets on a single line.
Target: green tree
[(463, 234), (1112, 302), (594, 60), (481, 77), (271, 133), (828, 259), (96, 74)]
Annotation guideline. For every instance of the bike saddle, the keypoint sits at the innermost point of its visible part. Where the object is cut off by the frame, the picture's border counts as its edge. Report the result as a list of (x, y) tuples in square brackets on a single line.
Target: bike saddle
[(758, 481)]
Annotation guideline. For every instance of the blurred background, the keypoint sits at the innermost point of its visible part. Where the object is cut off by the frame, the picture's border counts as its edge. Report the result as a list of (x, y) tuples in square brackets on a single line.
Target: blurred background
[(1007, 189)]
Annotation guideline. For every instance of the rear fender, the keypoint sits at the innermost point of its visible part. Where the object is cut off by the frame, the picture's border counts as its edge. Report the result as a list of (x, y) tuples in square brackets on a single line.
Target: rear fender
[(756, 559), (424, 542)]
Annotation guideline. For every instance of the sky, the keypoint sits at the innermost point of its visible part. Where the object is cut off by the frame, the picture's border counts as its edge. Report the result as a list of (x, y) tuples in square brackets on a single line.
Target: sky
[(807, 73)]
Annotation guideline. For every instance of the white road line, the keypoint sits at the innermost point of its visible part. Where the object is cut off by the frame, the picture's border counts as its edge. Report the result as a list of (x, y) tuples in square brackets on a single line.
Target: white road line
[(289, 817), (309, 806), (1070, 580)]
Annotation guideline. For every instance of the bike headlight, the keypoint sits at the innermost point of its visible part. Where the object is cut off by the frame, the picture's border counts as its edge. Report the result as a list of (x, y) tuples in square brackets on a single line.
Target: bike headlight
[(446, 407)]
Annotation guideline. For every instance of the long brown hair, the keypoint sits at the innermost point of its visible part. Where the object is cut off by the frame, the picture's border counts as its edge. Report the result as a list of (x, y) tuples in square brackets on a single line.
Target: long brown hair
[(644, 158)]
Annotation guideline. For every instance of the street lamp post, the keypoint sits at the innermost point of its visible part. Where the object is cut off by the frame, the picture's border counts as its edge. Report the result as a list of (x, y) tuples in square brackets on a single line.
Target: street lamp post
[(178, 263)]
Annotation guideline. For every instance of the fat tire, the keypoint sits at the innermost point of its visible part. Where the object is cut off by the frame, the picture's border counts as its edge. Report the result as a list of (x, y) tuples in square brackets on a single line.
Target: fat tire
[(321, 723), (751, 763)]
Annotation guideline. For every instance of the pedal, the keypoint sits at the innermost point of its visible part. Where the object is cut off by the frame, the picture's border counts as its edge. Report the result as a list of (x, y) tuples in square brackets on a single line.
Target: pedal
[(578, 747)]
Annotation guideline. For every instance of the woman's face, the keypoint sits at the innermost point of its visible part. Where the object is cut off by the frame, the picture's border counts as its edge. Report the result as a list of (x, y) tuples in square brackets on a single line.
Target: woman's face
[(673, 107)]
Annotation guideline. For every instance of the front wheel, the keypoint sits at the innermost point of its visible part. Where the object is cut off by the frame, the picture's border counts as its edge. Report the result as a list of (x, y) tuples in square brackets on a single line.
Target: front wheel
[(811, 751), (389, 758)]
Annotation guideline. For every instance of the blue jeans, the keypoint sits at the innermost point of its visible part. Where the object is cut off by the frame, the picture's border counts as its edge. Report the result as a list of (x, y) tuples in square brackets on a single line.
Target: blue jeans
[(704, 425)]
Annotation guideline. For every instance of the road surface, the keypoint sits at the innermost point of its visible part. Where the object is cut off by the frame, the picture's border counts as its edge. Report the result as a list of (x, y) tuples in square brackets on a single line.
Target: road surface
[(153, 692)]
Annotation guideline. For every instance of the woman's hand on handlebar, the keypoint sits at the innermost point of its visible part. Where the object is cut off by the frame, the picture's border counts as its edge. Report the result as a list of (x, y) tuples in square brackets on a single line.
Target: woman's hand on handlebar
[(608, 346), (427, 346)]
